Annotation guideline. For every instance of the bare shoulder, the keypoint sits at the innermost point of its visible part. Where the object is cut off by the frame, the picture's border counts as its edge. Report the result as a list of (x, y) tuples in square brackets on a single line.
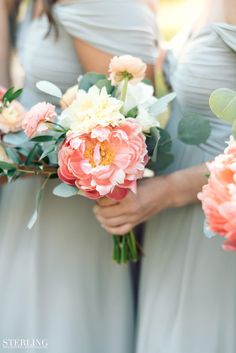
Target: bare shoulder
[(230, 12)]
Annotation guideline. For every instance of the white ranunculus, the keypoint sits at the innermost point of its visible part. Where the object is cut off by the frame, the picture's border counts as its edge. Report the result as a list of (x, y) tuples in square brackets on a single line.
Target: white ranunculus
[(141, 96), (90, 109), (146, 120)]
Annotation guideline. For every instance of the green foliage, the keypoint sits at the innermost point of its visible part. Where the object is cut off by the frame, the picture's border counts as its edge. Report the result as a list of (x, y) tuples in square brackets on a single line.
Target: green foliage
[(7, 166), (11, 95), (107, 84), (223, 104), (49, 88), (16, 139), (90, 79), (162, 156), (132, 113), (64, 190), (194, 129), (42, 138)]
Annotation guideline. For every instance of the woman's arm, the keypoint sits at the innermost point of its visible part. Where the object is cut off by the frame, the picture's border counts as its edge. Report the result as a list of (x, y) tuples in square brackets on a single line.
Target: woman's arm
[(153, 196), (5, 45), (93, 59)]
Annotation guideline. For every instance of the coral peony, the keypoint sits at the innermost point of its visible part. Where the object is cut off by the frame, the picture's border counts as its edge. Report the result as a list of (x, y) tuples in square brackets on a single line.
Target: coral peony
[(219, 196), (36, 119), (105, 162), (127, 66), (90, 109)]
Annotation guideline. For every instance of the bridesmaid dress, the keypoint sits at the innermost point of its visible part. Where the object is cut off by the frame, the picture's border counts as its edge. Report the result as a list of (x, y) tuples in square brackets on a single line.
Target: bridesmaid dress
[(58, 281), (188, 285)]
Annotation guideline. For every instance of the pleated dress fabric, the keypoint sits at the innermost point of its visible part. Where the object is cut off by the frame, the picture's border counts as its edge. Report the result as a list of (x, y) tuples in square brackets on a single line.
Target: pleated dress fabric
[(58, 281), (188, 285)]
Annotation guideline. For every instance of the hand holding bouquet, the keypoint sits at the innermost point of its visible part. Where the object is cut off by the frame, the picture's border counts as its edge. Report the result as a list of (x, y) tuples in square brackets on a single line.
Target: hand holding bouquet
[(102, 141)]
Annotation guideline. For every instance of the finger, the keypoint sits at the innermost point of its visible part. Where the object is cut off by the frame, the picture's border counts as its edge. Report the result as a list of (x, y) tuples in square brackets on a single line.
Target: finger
[(114, 222), (104, 202), (121, 230), (110, 212)]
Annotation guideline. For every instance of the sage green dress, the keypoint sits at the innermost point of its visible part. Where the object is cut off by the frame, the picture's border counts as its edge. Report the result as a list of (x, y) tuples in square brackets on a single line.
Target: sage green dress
[(58, 281), (188, 283)]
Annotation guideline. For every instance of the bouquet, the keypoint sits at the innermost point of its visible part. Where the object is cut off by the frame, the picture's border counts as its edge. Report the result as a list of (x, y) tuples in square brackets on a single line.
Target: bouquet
[(219, 195), (105, 138)]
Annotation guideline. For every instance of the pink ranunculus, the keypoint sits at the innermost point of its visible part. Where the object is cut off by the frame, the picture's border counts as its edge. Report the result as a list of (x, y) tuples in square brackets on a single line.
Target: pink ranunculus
[(36, 119), (219, 196), (127, 66), (106, 162)]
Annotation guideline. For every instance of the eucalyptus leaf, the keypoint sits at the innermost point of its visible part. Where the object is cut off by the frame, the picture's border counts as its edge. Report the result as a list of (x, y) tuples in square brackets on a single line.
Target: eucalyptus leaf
[(194, 129), (223, 104), (16, 139), (49, 88), (64, 190), (155, 133), (161, 105), (107, 84), (208, 232), (13, 155), (90, 79)]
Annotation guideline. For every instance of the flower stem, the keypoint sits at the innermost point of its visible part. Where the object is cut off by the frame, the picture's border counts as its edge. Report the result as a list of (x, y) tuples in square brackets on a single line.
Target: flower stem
[(124, 92), (126, 248)]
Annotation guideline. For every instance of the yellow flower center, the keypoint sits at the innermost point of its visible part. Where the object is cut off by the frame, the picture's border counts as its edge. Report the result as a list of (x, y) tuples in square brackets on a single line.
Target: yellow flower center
[(106, 153)]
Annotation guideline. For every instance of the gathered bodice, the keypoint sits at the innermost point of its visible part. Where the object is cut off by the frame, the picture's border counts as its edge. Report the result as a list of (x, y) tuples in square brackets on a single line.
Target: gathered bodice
[(116, 27), (206, 61)]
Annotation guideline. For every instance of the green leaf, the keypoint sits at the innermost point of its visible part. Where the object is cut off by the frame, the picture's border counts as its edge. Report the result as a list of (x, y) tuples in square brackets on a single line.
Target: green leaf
[(33, 154), (7, 166), (49, 88), (90, 79), (208, 232), (39, 194), (11, 174), (165, 142), (163, 157), (42, 138), (10, 95), (194, 129), (161, 105), (163, 161), (16, 94), (46, 151), (132, 113), (107, 84), (13, 155), (64, 190), (223, 104), (16, 139), (156, 136)]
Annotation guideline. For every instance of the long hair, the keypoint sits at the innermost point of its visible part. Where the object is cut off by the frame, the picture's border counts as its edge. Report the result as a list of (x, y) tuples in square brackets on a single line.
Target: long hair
[(47, 9)]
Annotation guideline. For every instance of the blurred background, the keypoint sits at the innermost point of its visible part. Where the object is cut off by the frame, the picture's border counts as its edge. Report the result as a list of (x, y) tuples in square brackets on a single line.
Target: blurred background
[(173, 14)]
